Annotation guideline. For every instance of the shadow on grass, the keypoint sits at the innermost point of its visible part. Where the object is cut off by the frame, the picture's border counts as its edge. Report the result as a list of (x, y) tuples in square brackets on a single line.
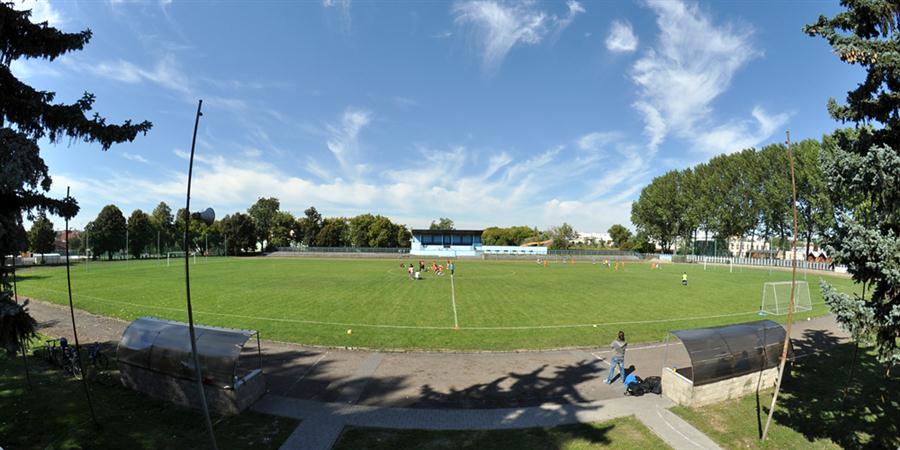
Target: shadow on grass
[(53, 414), (813, 403), (527, 439)]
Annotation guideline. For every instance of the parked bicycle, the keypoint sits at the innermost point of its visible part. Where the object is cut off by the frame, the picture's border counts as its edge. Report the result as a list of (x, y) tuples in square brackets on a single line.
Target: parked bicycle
[(59, 353), (97, 358), (54, 350)]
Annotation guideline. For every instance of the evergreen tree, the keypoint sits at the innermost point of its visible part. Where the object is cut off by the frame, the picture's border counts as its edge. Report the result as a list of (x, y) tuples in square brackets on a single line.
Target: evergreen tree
[(865, 162), (41, 237), (26, 115)]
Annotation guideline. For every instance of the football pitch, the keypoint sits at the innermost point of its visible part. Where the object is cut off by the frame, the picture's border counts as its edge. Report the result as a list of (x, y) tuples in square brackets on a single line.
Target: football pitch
[(487, 305)]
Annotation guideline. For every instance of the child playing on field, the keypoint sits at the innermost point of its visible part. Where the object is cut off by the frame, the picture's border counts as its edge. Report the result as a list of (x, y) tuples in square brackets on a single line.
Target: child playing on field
[(684, 278)]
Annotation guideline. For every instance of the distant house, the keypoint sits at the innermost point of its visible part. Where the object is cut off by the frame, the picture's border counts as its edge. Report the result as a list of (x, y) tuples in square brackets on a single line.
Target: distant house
[(60, 243)]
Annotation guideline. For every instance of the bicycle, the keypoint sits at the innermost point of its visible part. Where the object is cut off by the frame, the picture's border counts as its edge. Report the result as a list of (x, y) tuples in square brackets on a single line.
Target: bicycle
[(97, 358), (53, 352), (71, 362)]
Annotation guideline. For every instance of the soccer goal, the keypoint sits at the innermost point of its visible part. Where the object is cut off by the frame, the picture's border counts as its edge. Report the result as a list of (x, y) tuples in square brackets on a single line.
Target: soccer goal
[(776, 297), (176, 256)]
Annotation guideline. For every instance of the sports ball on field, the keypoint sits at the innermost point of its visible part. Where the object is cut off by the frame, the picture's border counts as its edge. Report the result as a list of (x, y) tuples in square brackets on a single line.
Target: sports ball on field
[(349, 331)]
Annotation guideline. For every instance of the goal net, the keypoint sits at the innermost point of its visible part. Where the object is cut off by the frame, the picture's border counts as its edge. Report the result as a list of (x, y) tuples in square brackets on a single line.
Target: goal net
[(176, 256), (776, 297)]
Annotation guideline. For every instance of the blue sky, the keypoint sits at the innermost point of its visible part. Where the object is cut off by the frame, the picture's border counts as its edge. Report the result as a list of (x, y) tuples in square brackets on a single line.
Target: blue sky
[(487, 112)]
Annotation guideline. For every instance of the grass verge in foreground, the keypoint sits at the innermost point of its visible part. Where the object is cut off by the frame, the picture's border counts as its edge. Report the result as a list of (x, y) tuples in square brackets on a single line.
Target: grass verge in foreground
[(811, 411), (54, 415), (623, 433)]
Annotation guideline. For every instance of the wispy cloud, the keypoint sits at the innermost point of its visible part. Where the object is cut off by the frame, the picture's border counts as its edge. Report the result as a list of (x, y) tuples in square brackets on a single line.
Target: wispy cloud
[(404, 102), (621, 38), (133, 157), (165, 73), (342, 6), (343, 141), (497, 26), (691, 64), (553, 185)]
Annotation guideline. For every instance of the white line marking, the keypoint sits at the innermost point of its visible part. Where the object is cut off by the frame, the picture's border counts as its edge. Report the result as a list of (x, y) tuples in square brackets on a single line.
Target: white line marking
[(310, 369), (601, 359), (406, 327), (453, 299)]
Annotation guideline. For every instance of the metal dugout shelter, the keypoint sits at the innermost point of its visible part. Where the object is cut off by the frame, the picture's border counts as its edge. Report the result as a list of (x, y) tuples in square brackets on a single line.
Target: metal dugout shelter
[(725, 362), (154, 357)]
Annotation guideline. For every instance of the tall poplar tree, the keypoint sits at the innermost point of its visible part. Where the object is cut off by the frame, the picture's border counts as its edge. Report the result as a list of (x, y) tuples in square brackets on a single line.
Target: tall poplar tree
[(865, 162)]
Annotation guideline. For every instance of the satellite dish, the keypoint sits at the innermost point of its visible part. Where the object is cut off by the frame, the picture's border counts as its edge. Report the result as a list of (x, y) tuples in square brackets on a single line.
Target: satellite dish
[(208, 216)]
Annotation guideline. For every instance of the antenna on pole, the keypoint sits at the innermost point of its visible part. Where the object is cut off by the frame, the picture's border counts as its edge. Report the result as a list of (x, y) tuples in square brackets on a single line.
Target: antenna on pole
[(79, 359), (187, 285), (790, 316)]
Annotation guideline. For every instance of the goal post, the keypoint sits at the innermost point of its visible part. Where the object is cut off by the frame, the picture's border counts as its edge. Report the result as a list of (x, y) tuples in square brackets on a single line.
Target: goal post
[(776, 297), (177, 255)]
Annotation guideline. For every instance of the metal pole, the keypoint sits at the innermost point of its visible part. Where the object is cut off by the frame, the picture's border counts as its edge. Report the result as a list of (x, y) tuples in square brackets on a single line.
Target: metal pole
[(790, 317), (87, 392), (258, 350), (187, 285), (126, 243), (24, 342), (157, 247)]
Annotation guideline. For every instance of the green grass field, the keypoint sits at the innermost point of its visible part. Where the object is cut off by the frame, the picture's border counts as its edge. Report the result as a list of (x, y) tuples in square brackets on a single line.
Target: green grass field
[(499, 305)]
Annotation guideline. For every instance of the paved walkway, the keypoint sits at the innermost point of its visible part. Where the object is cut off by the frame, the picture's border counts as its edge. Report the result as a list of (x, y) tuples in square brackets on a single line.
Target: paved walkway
[(551, 385), (323, 422)]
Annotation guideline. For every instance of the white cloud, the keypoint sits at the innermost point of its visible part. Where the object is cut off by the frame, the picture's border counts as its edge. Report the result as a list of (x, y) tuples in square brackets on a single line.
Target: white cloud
[(343, 6), (692, 64), (497, 27), (621, 38), (41, 11), (586, 182), (133, 157), (165, 73), (343, 141)]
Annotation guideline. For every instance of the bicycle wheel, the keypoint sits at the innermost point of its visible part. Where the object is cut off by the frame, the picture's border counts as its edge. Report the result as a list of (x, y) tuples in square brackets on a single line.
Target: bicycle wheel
[(76, 370)]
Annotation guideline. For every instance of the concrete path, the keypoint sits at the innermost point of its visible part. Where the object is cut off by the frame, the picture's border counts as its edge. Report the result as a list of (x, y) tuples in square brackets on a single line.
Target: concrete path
[(322, 422), (472, 389)]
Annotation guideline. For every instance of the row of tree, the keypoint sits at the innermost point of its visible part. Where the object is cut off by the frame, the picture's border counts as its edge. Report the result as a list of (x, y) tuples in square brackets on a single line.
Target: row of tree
[(742, 194), (264, 225)]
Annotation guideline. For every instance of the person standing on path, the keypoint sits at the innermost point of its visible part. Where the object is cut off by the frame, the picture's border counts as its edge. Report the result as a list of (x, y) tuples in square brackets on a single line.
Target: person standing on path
[(618, 359)]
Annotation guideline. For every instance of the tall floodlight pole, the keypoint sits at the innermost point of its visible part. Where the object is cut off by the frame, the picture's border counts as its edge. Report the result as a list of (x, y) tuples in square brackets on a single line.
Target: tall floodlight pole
[(87, 392), (790, 317), (126, 242), (187, 285)]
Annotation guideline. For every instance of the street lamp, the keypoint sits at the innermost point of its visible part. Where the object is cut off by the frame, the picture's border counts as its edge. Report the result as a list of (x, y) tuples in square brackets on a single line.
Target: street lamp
[(207, 216)]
